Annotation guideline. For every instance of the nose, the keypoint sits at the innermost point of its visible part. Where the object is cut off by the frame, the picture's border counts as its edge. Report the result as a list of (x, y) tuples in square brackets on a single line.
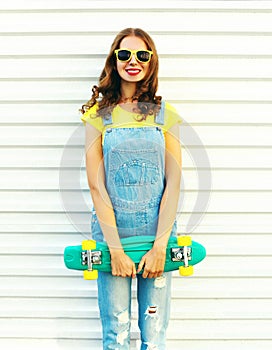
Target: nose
[(133, 59)]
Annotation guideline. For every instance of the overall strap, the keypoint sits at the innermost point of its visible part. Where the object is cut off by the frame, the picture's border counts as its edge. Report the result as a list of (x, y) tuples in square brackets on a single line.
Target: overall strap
[(107, 121), (160, 117)]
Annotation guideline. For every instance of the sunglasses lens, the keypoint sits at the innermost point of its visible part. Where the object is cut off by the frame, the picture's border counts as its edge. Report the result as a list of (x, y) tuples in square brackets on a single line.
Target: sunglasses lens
[(123, 55), (143, 56)]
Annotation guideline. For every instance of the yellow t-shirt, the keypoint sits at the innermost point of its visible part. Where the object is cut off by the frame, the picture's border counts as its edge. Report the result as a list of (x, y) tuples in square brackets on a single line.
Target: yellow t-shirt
[(122, 118)]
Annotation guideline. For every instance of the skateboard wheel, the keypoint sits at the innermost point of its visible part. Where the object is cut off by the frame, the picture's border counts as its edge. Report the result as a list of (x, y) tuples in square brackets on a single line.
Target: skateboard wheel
[(186, 271), (90, 275), (89, 244), (184, 241)]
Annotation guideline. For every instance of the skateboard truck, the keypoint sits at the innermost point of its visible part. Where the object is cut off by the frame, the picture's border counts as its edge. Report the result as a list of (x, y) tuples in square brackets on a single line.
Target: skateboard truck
[(182, 254), (90, 258)]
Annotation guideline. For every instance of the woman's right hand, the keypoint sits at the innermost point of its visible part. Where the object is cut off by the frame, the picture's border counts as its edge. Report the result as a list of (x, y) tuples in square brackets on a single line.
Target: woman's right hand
[(121, 264)]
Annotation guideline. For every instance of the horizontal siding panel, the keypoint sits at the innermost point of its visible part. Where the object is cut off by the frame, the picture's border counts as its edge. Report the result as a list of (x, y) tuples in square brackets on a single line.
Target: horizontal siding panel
[(229, 309), (53, 68), (43, 286), (237, 245), (51, 328), (31, 244), (235, 267), (50, 180), (84, 328), (90, 67), (211, 223), (217, 90), (231, 202), (195, 287), (215, 329), (216, 67), (87, 308), (177, 90), (225, 112), (40, 113), (196, 112), (35, 157), (187, 44), (153, 5), (70, 344), (219, 158), (50, 307), (198, 135), (52, 344), (178, 21), (242, 344), (198, 287)]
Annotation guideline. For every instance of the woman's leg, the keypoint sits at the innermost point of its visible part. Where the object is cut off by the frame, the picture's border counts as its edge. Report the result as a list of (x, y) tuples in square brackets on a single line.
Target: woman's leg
[(114, 299), (154, 297)]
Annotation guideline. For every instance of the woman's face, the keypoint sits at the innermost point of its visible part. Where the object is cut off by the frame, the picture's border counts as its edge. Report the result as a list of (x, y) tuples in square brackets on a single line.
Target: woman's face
[(133, 70)]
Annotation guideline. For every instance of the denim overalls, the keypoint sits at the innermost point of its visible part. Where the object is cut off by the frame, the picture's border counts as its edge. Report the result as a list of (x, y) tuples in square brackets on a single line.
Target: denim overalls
[(134, 161)]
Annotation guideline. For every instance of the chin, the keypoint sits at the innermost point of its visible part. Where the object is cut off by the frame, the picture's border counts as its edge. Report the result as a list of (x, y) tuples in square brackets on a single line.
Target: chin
[(134, 79)]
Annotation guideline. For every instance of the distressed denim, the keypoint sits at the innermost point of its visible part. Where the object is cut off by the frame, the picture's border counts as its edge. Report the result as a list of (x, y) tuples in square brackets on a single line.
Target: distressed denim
[(134, 161), (114, 300)]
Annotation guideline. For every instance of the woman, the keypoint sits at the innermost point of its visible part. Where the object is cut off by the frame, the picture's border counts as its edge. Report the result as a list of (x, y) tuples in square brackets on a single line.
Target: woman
[(133, 162)]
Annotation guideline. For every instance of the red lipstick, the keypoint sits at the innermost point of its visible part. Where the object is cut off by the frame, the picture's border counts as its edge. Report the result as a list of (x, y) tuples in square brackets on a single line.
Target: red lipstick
[(133, 71)]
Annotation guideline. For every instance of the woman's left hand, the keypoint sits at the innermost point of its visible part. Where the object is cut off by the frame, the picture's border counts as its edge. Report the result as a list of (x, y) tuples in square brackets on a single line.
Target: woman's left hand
[(153, 263)]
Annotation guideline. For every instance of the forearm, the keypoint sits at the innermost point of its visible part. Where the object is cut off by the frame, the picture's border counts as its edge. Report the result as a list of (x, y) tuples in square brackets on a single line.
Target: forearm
[(121, 264), (167, 215), (170, 198), (154, 260), (106, 218)]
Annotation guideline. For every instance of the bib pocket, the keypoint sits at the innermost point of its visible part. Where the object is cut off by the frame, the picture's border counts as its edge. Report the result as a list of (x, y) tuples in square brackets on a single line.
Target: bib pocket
[(134, 167)]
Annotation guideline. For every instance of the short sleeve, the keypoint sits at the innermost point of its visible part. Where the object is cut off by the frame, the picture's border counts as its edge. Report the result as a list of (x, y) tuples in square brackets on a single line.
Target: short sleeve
[(91, 118), (171, 116)]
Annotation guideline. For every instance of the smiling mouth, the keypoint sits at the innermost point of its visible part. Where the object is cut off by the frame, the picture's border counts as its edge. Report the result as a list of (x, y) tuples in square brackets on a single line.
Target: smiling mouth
[(133, 71)]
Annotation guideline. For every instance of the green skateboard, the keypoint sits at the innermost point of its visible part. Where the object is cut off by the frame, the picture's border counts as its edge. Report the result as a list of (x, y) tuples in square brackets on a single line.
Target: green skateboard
[(181, 254)]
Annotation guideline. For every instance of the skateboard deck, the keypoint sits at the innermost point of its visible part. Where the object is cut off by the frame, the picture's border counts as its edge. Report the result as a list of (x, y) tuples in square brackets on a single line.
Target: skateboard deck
[(181, 254)]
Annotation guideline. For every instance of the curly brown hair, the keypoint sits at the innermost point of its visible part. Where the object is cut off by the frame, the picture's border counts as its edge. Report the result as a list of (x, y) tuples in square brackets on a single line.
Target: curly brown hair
[(107, 93)]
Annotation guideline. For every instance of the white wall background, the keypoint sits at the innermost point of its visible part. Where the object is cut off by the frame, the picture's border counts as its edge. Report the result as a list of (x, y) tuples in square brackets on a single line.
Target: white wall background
[(216, 68)]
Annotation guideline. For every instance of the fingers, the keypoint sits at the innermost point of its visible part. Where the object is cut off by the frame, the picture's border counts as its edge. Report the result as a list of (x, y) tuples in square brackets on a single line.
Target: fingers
[(149, 274), (131, 273), (153, 270), (134, 271), (126, 268), (141, 265), (123, 274), (123, 269), (150, 270)]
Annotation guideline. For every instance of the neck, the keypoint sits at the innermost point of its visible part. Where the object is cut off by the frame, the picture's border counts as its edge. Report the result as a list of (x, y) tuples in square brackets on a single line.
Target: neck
[(128, 92), (128, 99)]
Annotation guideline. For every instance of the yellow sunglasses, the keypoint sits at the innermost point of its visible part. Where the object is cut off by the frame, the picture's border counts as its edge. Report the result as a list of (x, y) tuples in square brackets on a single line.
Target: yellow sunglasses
[(124, 55)]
